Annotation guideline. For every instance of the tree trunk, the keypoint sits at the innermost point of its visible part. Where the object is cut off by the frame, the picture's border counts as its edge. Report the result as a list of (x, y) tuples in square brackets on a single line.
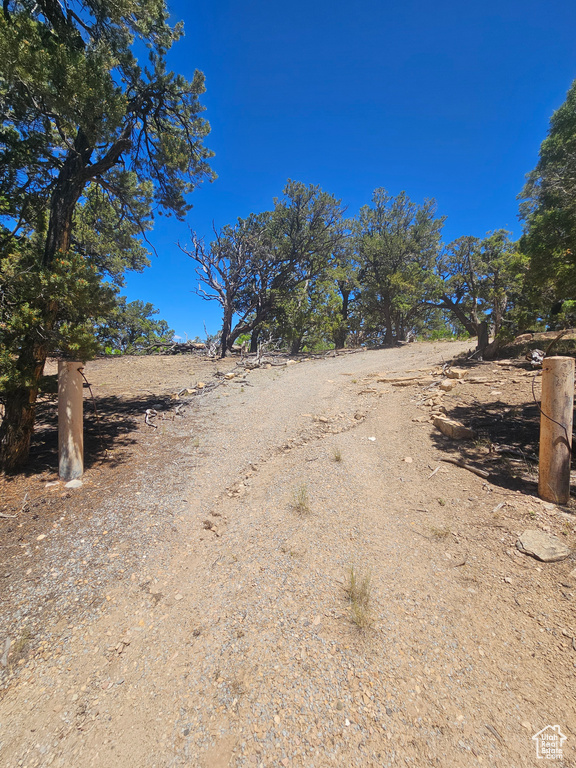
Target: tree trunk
[(500, 303), (470, 325), (389, 336), (254, 340), (76, 171), (483, 337), (67, 190), (226, 328), (295, 345), (341, 332), (253, 326), (18, 424)]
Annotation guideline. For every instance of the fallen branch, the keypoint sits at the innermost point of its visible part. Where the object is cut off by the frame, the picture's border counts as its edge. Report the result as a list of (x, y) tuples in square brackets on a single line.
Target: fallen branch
[(459, 463), (553, 342), (23, 508), (150, 414)]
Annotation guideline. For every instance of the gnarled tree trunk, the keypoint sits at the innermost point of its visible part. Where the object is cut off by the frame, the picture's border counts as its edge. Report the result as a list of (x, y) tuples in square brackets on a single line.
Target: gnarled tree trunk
[(20, 412)]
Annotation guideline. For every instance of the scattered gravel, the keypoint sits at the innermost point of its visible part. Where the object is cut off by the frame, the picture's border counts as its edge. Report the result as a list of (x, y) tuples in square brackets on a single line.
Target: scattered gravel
[(179, 610)]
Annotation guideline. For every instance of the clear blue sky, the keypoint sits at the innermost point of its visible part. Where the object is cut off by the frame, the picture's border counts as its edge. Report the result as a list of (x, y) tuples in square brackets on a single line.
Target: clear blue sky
[(446, 99)]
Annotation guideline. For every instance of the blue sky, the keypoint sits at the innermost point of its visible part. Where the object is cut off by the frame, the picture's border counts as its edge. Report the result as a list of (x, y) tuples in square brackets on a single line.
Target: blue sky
[(444, 99)]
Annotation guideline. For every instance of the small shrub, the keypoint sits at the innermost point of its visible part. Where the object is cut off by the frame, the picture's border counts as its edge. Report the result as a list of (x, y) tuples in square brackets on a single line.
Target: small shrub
[(337, 454)]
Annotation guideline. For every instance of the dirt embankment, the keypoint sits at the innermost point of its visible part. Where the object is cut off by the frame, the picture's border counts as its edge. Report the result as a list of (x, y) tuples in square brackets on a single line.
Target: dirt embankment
[(191, 604)]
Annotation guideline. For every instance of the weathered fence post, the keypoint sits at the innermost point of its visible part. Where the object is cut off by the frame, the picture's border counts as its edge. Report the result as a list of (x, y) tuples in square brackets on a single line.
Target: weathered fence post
[(556, 429), (70, 426)]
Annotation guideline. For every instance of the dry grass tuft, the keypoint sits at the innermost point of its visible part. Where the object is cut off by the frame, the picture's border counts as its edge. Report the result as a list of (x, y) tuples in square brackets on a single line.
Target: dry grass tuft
[(337, 454), (301, 500), (19, 648), (359, 590)]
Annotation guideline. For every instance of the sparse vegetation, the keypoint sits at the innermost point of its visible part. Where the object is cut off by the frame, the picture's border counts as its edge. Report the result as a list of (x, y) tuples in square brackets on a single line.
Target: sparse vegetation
[(359, 592), (18, 648), (301, 500), (440, 533), (236, 686), (337, 454)]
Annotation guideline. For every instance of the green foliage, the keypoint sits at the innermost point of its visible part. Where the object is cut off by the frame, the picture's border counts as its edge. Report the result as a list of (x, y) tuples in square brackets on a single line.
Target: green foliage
[(397, 244), (481, 279), (566, 317), (92, 144), (265, 268), (27, 292), (307, 317), (131, 328), (75, 102), (111, 241), (549, 208)]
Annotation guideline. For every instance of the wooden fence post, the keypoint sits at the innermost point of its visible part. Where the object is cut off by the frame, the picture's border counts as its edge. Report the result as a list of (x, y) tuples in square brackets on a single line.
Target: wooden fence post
[(70, 426), (556, 429)]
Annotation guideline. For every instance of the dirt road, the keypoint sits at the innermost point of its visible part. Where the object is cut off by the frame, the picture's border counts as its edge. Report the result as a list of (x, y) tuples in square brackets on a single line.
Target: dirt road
[(189, 605)]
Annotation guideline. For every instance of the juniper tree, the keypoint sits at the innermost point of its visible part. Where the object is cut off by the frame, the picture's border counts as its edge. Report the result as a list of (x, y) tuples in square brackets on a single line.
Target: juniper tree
[(397, 243), (548, 210), (252, 267), (85, 127), (131, 327), (480, 279)]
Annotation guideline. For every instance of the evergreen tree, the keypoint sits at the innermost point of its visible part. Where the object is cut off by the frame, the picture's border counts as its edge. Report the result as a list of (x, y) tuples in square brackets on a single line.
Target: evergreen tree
[(91, 141), (480, 279), (549, 209), (397, 244), (131, 327), (254, 267)]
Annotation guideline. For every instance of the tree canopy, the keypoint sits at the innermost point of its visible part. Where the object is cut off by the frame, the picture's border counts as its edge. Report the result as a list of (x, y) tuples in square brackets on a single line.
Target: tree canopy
[(398, 243), (548, 207), (254, 267), (131, 327)]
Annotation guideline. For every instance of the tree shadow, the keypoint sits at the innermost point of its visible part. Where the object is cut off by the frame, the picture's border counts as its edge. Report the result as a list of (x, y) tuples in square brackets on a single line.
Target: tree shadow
[(507, 441), (108, 428)]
